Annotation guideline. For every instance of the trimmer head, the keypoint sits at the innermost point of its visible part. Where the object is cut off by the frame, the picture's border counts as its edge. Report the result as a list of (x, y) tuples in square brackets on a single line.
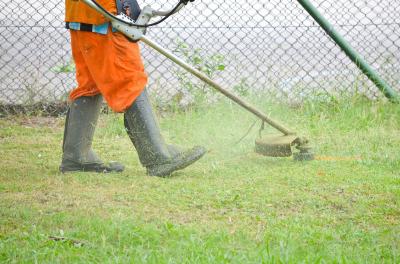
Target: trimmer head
[(281, 146)]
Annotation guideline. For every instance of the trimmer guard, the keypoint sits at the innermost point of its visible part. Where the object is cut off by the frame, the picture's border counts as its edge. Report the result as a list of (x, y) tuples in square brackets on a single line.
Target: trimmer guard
[(276, 145)]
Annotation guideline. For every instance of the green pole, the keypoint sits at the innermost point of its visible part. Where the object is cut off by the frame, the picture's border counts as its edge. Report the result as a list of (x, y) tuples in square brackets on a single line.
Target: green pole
[(350, 52)]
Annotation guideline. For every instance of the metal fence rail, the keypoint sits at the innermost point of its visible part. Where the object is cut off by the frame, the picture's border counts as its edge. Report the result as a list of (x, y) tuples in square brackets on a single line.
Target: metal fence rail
[(270, 46)]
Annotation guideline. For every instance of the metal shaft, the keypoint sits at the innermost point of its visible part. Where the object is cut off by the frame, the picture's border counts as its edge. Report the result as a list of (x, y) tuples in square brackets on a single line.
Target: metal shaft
[(350, 52), (215, 85)]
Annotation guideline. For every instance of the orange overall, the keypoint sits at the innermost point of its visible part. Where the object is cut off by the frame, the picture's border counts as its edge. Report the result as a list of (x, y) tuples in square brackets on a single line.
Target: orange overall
[(107, 64)]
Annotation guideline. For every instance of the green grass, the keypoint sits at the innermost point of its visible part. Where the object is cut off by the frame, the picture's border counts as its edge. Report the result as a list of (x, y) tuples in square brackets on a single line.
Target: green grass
[(233, 206)]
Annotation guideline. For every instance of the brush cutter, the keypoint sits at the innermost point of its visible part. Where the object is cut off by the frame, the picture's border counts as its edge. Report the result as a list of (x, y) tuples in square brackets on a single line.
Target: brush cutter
[(273, 146)]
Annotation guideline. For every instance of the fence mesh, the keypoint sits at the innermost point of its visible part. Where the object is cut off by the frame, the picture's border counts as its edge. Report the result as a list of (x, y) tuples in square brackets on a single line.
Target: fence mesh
[(270, 46)]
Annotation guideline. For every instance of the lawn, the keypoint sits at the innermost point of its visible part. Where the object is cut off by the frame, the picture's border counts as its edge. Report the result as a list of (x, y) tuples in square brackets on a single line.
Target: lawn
[(233, 206)]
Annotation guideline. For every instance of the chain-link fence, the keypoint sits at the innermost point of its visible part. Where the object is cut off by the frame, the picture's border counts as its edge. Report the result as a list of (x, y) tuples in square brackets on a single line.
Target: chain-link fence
[(271, 46)]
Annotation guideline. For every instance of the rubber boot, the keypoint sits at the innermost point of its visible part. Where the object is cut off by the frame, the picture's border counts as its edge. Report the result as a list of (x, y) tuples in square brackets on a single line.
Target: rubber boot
[(159, 158), (80, 125)]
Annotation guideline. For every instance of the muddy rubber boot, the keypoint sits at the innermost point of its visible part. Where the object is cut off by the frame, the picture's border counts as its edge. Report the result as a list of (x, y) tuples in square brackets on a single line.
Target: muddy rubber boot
[(159, 158), (80, 125)]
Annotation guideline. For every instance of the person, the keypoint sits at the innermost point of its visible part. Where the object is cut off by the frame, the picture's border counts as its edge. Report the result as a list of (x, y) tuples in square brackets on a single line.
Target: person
[(110, 66)]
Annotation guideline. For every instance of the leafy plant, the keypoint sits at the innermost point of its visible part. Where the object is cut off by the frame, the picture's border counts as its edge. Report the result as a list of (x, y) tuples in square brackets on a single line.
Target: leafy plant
[(68, 67), (211, 65), (242, 88)]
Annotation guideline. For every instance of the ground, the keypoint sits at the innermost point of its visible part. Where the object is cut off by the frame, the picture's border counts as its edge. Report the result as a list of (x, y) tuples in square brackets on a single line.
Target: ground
[(233, 206)]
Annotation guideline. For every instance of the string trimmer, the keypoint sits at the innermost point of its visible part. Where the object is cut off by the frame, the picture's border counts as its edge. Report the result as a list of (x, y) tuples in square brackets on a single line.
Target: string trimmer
[(273, 146)]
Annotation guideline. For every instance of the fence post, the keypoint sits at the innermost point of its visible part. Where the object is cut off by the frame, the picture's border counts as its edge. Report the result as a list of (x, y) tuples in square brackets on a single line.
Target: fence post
[(350, 52)]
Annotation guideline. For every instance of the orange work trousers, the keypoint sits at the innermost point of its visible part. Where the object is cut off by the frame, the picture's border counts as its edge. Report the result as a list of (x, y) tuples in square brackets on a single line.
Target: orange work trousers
[(107, 64)]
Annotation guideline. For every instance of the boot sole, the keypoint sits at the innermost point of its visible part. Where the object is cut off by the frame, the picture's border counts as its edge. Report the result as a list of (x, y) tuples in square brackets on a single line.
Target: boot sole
[(165, 170), (99, 168)]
